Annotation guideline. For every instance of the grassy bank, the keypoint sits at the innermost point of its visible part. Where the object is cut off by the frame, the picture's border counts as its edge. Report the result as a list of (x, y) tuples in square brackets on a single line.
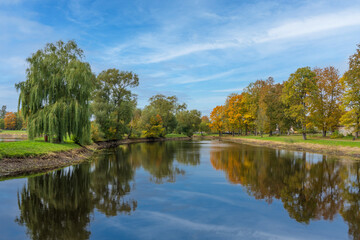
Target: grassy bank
[(312, 139), (32, 148)]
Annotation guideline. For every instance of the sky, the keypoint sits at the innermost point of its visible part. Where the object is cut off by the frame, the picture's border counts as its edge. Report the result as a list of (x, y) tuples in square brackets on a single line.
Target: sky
[(200, 51)]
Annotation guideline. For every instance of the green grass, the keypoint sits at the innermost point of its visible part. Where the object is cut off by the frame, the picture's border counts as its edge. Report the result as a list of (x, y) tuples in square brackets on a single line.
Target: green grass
[(15, 132), (313, 139), (207, 134), (32, 148), (174, 135)]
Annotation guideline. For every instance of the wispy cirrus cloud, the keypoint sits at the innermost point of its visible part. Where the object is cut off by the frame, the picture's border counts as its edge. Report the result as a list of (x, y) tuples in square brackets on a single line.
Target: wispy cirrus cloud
[(312, 24)]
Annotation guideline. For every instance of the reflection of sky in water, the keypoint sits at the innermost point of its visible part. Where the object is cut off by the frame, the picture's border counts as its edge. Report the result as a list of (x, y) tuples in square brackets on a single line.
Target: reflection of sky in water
[(200, 204)]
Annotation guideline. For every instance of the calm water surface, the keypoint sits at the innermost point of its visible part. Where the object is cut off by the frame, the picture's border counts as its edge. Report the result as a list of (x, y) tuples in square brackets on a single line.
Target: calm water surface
[(187, 190)]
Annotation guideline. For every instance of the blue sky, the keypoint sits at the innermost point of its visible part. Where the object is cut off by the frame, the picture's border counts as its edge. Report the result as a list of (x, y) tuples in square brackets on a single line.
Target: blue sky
[(200, 51)]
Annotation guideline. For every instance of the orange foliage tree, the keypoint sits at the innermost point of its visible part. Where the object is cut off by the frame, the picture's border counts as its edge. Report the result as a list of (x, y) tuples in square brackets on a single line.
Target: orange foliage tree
[(10, 121), (217, 119)]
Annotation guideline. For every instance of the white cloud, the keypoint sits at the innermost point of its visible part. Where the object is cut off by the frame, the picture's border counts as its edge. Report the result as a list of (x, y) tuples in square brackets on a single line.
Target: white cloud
[(312, 25)]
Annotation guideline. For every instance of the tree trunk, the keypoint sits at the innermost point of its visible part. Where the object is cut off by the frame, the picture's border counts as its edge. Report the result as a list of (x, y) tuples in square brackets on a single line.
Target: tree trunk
[(270, 133), (220, 133), (324, 132), (233, 133), (246, 130), (357, 126), (304, 135)]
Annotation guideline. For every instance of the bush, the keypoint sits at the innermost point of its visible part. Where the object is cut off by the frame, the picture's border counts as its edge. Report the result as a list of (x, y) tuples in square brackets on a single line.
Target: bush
[(336, 134), (96, 134)]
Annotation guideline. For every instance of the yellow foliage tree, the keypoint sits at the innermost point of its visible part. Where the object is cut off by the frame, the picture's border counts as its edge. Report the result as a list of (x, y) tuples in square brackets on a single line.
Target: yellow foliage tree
[(217, 118)]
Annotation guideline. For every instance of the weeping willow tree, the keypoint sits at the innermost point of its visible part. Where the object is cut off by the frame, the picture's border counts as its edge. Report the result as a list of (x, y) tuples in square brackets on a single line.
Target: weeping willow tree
[(55, 97)]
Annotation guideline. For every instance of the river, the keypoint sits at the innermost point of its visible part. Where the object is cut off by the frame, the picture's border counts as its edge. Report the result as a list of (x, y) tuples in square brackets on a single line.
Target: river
[(187, 190)]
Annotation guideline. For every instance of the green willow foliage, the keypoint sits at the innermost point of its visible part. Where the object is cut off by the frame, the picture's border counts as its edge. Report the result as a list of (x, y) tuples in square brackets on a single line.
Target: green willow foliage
[(56, 94)]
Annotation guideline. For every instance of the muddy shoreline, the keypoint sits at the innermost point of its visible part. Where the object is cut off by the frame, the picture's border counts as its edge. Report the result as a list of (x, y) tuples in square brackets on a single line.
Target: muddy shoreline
[(14, 167)]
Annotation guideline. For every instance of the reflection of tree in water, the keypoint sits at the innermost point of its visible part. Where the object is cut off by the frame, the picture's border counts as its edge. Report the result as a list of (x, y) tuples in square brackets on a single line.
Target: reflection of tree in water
[(350, 210), (308, 190), (59, 205), (110, 182), (158, 158)]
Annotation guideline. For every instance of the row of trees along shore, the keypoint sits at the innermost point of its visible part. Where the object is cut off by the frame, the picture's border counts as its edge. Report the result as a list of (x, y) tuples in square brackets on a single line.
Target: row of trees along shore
[(61, 95), (311, 99)]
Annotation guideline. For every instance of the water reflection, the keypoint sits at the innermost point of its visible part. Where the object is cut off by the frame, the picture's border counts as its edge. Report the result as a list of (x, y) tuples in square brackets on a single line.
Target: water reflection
[(310, 188), (60, 204)]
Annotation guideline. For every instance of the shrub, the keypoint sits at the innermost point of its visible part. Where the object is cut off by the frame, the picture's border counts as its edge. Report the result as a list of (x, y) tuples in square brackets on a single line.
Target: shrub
[(336, 134)]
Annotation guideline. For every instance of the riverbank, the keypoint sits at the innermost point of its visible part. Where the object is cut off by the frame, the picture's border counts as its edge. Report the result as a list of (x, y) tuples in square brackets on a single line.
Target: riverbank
[(317, 145), (30, 157)]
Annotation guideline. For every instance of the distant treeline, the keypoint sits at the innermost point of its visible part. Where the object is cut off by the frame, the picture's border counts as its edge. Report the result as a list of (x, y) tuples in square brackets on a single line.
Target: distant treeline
[(316, 99)]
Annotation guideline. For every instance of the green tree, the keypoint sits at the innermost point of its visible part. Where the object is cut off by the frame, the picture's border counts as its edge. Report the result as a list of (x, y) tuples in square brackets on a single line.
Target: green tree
[(275, 109), (3, 112), (113, 102), (55, 97), (257, 91), (188, 121), (351, 99), (297, 93), (166, 107), (19, 121), (204, 125), (2, 124)]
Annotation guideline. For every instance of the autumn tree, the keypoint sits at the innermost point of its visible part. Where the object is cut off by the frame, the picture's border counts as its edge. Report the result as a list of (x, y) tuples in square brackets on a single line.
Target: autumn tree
[(10, 121), (234, 112), (217, 118), (297, 93), (154, 128), (326, 101), (55, 98), (113, 102), (248, 115), (351, 99)]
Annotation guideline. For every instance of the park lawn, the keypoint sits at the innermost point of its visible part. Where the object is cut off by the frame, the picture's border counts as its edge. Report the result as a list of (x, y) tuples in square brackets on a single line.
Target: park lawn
[(206, 134), (174, 135), (14, 132), (312, 139), (33, 148)]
